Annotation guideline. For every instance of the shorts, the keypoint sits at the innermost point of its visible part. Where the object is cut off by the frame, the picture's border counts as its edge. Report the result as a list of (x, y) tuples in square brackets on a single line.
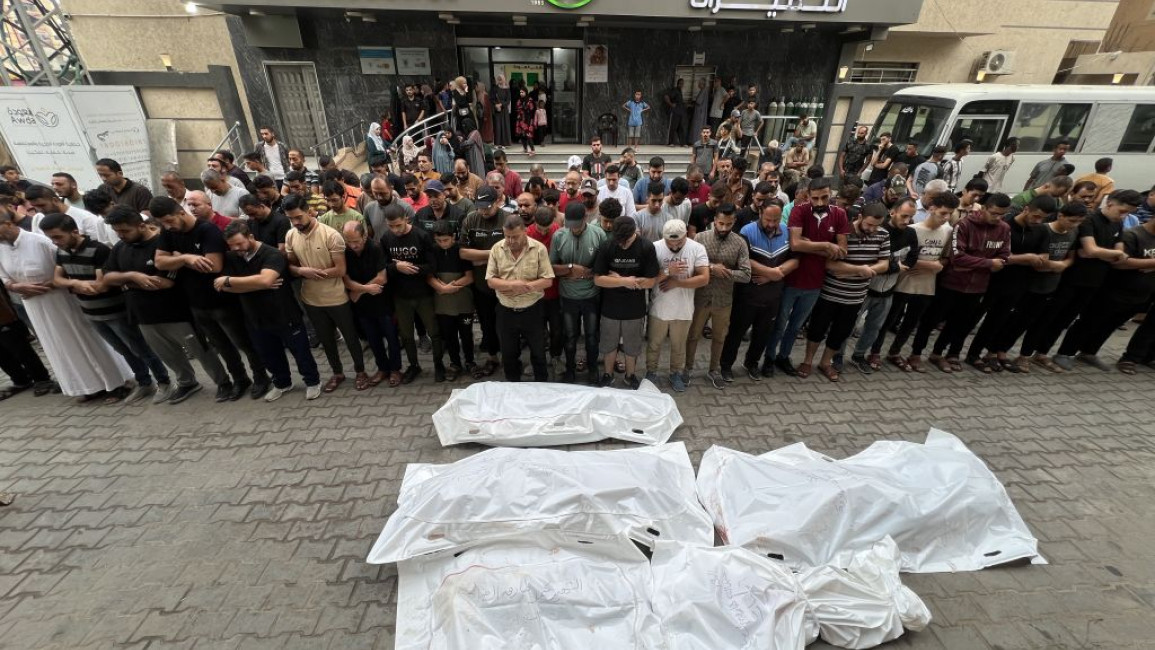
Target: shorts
[(634, 131), (629, 332)]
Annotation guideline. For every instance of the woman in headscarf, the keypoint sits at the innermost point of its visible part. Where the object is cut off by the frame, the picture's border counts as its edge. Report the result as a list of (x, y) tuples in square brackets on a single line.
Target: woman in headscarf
[(524, 111), (375, 146), (463, 110), (701, 109), (486, 108), (409, 152), (501, 111), (473, 150), (443, 153)]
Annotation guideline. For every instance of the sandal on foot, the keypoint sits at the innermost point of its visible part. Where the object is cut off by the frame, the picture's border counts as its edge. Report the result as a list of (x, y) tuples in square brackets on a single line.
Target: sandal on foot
[(897, 361), (954, 364), (333, 383), (487, 369), (940, 363), (829, 372), (395, 379), (980, 364), (915, 363), (1048, 364), (1126, 367), (361, 381), (377, 378), (875, 362), (803, 370)]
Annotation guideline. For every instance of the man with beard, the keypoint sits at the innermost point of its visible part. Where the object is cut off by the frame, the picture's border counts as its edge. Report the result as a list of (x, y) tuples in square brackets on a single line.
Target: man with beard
[(626, 268), (572, 253), (257, 273), (411, 260), (729, 259), (613, 189), (268, 226), (570, 184), (467, 181), (480, 232), (656, 178), (438, 210), (685, 268), (274, 154), (295, 183), (383, 197)]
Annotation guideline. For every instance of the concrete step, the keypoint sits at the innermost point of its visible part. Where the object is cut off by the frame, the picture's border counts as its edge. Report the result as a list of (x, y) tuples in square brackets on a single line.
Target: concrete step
[(554, 157)]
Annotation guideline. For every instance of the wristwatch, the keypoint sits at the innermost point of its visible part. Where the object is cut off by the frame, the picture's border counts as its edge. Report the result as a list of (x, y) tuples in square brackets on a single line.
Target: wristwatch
[(571, 268), (228, 281)]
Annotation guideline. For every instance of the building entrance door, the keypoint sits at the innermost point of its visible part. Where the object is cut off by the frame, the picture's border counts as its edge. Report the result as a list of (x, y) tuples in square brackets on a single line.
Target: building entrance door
[(297, 102), (556, 68)]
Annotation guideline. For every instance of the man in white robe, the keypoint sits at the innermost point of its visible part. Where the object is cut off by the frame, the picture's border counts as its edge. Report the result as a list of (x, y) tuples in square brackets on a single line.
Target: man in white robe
[(82, 362)]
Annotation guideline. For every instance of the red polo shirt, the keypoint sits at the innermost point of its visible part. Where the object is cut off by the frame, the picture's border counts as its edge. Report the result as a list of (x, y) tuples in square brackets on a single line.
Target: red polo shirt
[(811, 269)]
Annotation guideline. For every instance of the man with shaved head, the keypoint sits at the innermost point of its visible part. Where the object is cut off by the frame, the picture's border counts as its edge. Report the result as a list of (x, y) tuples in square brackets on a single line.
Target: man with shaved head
[(200, 207), (383, 197)]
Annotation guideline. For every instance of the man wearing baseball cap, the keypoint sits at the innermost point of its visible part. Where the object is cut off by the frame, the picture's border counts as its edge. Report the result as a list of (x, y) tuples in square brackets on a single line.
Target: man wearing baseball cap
[(572, 254), (589, 198), (626, 268), (684, 268), (438, 209), (480, 231)]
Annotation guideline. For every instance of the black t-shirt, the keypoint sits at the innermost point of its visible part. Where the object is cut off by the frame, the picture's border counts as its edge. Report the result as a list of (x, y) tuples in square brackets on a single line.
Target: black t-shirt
[(1026, 240), (412, 109), (1132, 286), (481, 233), (912, 162), (702, 215), (147, 307), (272, 230), (892, 153), (1088, 272), (595, 166), (415, 247), (675, 96), (267, 309), (639, 260), (362, 268), (426, 220), (201, 239)]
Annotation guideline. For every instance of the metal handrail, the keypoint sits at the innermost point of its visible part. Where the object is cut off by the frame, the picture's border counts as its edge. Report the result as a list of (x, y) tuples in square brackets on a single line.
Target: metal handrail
[(348, 137), (432, 124), (232, 136)]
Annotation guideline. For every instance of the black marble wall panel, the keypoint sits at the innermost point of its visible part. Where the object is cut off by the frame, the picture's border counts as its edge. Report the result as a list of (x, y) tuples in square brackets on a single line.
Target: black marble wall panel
[(330, 43)]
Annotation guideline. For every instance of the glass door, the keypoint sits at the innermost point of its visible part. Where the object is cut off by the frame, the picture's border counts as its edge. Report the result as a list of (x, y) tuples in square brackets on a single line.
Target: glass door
[(549, 73)]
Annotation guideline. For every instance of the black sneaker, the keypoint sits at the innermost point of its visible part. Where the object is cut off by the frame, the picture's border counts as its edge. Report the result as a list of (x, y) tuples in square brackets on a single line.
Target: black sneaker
[(861, 364), (239, 389), (425, 344), (727, 375), (785, 366), (184, 392), (606, 381), (753, 374), (223, 392), (633, 382), (260, 388), (438, 374), (411, 373)]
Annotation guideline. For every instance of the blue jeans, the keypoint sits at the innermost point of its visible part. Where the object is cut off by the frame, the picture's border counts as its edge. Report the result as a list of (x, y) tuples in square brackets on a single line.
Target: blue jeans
[(795, 309), (126, 339), (876, 309), (580, 315), (271, 345)]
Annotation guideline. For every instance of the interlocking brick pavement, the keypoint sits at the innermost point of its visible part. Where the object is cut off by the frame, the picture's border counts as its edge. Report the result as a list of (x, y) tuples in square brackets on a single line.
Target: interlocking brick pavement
[(246, 525)]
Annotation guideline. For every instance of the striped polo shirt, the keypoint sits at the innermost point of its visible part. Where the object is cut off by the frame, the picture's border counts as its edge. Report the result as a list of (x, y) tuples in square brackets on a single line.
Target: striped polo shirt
[(861, 249), (82, 264)]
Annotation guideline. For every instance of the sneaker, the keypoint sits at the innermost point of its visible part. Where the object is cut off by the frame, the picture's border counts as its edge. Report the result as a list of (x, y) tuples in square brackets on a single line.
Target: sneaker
[(652, 377), (861, 364), (223, 392), (260, 388), (1095, 361), (1064, 361), (727, 376), (439, 374), (453, 372), (184, 392), (425, 344), (274, 393), (633, 382), (239, 389), (785, 366), (313, 392), (163, 393), (767, 371), (410, 374), (140, 393), (677, 382), (753, 374), (715, 378), (606, 381)]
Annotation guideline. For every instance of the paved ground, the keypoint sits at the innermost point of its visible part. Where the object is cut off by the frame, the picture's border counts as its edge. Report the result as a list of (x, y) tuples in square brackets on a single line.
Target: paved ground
[(246, 526)]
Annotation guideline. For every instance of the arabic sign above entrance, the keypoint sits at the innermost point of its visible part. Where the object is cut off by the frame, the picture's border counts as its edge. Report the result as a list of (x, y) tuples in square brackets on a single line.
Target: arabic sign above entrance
[(772, 9), (569, 4)]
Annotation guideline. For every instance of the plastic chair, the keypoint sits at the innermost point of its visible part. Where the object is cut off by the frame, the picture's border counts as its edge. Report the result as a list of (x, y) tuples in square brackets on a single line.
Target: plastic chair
[(607, 124)]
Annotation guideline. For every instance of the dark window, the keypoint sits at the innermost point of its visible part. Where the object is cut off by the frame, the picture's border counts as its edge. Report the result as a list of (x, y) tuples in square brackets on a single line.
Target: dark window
[(1140, 130)]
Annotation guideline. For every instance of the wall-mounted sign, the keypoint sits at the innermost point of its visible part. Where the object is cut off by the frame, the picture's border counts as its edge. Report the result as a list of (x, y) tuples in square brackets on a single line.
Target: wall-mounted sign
[(699, 58), (413, 61), (774, 8), (377, 60), (597, 64), (569, 4)]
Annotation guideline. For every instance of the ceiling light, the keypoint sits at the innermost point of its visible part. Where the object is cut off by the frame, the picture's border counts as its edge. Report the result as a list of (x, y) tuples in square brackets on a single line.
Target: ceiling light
[(787, 30), (445, 16), (368, 18), (453, 21), (808, 26), (518, 17), (695, 28), (257, 12), (190, 7), (709, 23)]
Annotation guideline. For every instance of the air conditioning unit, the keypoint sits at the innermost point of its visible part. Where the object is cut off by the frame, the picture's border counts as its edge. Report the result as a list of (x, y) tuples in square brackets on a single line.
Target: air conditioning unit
[(997, 62)]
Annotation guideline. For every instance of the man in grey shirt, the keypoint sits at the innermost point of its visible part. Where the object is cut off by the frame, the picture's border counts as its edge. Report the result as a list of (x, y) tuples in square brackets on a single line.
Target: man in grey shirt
[(751, 123), (383, 197), (1047, 169)]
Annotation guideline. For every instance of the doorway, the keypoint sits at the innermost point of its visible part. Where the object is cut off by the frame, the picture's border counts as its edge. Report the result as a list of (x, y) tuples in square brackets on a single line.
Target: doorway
[(297, 102), (557, 68)]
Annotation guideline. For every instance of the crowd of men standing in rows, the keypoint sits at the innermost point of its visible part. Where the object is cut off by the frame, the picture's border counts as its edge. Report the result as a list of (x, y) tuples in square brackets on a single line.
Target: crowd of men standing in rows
[(595, 264)]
